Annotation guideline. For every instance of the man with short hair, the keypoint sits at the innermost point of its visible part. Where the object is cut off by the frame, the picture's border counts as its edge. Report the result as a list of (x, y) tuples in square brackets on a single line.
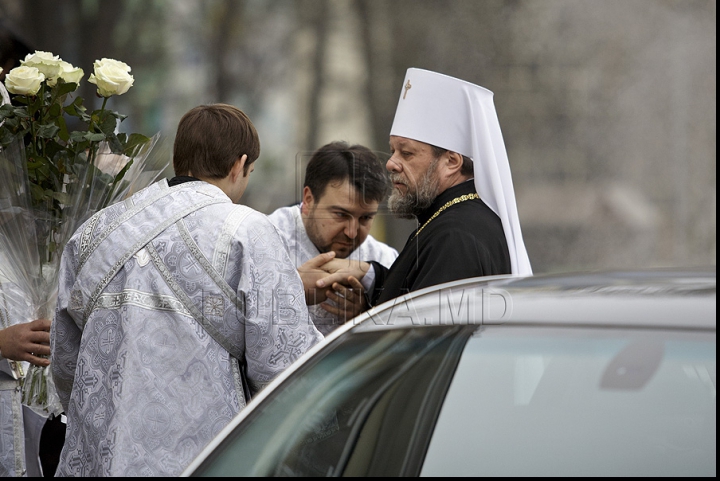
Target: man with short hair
[(174, 307), (344, 186), (449, 169)]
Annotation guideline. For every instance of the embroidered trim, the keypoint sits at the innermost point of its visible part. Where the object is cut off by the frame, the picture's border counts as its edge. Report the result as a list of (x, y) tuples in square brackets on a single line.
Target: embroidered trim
[(86, 236), (222, 246), (209, 270), (154, 302), (136, 247), (163, 191), (456, 200), (189, 305), (237, 377)]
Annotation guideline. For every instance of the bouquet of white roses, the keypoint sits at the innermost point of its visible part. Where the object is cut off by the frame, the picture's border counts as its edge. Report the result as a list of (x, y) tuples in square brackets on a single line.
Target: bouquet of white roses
[(53, 177)]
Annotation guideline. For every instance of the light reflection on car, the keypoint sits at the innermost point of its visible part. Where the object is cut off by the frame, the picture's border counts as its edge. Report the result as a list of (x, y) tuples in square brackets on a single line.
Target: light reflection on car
[(604, 374)]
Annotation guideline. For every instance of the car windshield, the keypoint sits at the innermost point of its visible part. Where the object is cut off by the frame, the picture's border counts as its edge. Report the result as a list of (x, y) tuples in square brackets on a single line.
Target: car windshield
[(330, 419), (503, 400)]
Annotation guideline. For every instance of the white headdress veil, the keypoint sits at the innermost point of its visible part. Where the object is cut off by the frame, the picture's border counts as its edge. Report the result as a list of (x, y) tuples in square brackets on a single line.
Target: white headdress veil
[(459, 116)]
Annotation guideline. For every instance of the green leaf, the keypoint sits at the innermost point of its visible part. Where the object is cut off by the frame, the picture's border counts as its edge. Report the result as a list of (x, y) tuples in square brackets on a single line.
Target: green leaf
[(116, 146), (21, 99), (47, 131), (62, 197), (37, 192), (55, 110), (93, 137), (35, 105), (107, 123), (77, 136), (22, 112), (6, 111), (82, 157), (65, 88), (122, 172), (134, 143), (62, 129), (76, 109)]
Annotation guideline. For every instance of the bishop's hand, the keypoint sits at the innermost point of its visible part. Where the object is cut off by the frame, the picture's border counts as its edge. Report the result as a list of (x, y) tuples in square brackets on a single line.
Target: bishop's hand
[(341, 270), (349, 300)]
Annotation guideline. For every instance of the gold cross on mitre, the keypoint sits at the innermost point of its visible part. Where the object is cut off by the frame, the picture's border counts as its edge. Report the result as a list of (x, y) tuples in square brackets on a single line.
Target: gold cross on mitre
[(407, 87)]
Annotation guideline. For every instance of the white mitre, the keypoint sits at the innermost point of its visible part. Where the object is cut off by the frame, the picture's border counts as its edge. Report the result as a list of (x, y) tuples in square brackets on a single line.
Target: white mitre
[(459, 116)]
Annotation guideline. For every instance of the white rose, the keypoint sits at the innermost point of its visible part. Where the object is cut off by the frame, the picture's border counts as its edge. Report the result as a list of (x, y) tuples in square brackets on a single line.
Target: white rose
[(24, 80), (47, 63), (112, 77), (71, 74)]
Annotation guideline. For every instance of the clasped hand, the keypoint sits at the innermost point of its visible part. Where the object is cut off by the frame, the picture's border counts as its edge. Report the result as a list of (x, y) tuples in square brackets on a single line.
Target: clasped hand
[(338, 280)]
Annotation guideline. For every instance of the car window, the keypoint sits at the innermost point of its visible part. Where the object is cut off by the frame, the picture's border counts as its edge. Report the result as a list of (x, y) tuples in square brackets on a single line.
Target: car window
[(365, 406), (579, 402)]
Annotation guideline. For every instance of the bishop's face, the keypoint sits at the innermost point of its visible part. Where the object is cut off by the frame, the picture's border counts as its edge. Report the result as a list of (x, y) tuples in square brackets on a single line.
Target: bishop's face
[(338, 221), (413, 172)]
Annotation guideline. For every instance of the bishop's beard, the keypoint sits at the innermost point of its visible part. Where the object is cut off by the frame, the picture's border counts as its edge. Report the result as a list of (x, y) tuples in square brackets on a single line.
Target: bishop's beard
[(414, 202)]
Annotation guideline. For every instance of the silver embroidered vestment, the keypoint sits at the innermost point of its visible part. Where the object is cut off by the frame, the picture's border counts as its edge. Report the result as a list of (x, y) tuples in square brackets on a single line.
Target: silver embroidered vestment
[(12, 432), (289, 222), (159, 297)]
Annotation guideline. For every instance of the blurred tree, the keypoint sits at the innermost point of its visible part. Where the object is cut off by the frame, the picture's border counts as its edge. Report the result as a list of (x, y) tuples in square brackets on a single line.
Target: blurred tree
[(314, 14), (607, 108)]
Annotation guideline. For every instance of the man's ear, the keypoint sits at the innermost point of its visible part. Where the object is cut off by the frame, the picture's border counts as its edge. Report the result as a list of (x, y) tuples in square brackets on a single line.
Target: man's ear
[(454, 161), (238, 168), (307, 200)]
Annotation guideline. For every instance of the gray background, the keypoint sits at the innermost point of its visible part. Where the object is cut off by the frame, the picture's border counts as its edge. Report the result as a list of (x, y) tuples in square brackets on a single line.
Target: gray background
[(608, 108)]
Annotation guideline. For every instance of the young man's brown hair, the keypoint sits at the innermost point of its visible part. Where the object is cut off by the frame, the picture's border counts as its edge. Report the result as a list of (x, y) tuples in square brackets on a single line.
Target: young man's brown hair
[(210, 138)]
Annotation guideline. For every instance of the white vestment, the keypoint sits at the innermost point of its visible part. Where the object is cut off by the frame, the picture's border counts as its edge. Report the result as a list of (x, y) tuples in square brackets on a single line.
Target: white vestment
[(12, 436), (171, 306), (289, 222), (20, 426)]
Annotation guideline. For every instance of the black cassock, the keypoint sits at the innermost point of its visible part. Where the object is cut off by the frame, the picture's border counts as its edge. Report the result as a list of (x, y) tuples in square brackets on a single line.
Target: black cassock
[(465, 240)]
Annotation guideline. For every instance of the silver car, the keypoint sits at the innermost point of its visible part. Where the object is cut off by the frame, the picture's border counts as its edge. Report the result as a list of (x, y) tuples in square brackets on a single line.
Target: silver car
[(600, 374)]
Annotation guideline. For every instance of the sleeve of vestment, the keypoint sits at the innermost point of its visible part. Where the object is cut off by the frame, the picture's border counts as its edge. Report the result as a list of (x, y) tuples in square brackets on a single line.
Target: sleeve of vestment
[(278, 328), (65, 335), (381, 273)]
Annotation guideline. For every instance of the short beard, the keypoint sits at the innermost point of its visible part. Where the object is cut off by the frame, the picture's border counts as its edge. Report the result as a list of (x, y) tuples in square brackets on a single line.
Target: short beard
[(413, 203)]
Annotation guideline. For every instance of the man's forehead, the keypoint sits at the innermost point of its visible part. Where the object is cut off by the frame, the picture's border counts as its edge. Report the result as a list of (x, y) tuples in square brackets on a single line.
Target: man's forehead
[(345, 195), (397, 141)]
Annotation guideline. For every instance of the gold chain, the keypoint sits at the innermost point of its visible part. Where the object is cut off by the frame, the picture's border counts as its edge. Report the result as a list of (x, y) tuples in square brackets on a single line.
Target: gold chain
[(456, 200)]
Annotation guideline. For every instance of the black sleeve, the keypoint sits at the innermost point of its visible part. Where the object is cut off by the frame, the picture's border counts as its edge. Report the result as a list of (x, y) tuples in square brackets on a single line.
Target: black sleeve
[(380, 275)]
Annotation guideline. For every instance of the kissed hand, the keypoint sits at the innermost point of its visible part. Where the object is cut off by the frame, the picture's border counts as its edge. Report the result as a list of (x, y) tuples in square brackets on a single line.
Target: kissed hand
[(349, 300), (341, 270)]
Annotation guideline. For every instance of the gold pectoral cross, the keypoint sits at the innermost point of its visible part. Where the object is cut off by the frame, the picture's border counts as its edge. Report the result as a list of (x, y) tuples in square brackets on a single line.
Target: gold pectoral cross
[(407, 87)]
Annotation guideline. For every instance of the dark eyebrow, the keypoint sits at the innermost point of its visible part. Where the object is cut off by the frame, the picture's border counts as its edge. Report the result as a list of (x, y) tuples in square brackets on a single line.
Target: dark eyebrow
[(337, 207)]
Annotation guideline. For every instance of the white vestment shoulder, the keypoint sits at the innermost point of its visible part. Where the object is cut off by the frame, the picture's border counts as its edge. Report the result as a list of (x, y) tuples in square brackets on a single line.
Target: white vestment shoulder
[(155, 345), (289, 222)]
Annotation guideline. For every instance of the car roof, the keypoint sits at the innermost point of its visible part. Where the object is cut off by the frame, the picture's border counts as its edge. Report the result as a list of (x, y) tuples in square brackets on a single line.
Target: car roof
[(650, 298)]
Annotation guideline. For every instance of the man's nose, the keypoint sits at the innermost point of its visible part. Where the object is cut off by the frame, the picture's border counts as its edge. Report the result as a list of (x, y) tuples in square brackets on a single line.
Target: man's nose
[(392, 165), (351, 228)]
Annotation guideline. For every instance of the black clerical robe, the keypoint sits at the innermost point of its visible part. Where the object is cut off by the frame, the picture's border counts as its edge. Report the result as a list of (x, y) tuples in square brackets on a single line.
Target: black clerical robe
[(465, 240)]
